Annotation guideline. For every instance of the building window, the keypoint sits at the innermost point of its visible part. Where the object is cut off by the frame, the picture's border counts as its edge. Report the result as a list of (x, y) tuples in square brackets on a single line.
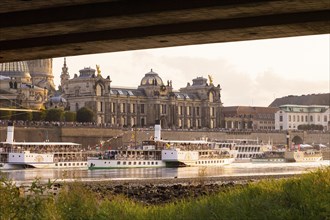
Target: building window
[(212, 111), (289, 117), (302, 118), (197, 111), (123, 107), (113, 108), (311, 118), (298, 118), (211, 97), (163, 109), (294, 118), (281, 118), (98, 90), (142, 108), (180, 110), (306, 118), (100, 106), (318, 118), (325, 118), (133, 108)]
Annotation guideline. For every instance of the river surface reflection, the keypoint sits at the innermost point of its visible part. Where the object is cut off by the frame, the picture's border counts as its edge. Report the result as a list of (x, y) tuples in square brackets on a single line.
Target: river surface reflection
[(235, 169)]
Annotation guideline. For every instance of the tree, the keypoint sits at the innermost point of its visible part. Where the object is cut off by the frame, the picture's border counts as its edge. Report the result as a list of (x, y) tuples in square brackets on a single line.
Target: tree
[(39, 116), (22, 116), (85, 115), (54, 114), (70, 116), (310, 127), (5, 114)]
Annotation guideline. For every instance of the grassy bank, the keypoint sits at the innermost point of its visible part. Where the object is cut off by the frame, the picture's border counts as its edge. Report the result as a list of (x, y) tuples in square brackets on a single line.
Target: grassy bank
[(303, 197)]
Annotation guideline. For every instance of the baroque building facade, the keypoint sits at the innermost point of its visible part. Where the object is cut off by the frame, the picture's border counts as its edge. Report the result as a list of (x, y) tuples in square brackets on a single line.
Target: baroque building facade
[(194, 106), (17, 88)]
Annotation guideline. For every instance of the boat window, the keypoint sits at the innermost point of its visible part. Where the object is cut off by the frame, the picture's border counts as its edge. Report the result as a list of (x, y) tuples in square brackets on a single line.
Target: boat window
[(64, 164), (124, 163), (139, 163), (156, 163), (144, 163), (118, 162), (60, 164), (148, 163), (69, 164), (134, 163), (129, 163), (152, 163)]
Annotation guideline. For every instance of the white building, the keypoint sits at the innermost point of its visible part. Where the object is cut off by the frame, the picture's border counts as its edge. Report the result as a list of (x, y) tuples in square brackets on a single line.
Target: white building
[(289, 117)]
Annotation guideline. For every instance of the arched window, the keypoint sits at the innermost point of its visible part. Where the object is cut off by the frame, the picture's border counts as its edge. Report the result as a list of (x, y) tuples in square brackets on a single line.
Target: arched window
[(211, 97), (99, 90)]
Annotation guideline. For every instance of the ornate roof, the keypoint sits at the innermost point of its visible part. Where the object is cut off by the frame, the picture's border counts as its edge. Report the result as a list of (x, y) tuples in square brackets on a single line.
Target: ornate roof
[(15, 69), (151, 78)]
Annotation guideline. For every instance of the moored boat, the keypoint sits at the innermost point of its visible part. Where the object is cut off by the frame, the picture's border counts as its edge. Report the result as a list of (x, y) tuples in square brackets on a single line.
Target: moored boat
[(170, 153), (18, 155), (310, 155), (146, 157), (271, 156)]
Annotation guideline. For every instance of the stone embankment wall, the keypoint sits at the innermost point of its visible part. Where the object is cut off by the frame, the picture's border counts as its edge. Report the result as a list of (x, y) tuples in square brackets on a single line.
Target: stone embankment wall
[(114, 137)]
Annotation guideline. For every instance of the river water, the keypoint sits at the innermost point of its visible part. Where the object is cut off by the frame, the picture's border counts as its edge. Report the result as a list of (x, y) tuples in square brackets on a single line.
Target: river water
[(235, 169)]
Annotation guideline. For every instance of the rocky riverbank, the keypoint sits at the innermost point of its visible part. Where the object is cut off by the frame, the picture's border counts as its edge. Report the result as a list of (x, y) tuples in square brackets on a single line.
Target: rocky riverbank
[(158, 191)]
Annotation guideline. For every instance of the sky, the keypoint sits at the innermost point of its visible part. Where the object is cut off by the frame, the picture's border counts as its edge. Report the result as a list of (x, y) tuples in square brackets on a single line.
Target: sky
[(250, 73)]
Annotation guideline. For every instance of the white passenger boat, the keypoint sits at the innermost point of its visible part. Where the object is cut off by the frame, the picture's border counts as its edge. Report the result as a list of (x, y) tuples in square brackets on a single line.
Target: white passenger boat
[(308, 155), (272, 156), (18, 155), (197, 153), (161, 153), (296, 154), (146, 157), (248, 148)]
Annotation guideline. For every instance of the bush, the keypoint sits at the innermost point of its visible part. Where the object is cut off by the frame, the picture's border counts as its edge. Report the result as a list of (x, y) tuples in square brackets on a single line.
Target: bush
[(70, 116), (20, 115), (54, 114), (39, 116), (85, 115), (5, 114), (310, 127)]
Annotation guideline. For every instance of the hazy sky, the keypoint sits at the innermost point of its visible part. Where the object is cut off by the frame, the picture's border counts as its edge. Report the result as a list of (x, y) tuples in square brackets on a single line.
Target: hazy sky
[(250, 73)]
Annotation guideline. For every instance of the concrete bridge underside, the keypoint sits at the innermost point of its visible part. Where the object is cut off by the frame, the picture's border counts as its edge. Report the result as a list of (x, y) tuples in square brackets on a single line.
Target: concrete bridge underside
[(43, 29)]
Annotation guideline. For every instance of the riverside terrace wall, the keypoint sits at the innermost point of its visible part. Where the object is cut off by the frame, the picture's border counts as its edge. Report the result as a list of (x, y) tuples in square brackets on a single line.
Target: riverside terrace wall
[(91, 136)]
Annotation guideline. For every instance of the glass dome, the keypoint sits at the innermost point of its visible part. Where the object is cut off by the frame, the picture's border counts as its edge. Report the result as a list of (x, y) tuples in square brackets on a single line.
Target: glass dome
[(15, 69)]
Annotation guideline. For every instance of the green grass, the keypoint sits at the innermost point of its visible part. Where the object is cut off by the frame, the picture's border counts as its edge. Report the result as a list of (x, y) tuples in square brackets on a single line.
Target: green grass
[(303, 197)]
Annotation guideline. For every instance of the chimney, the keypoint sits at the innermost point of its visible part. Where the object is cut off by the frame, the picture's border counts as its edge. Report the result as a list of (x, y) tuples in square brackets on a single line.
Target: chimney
[(10, 133), (157, 130)]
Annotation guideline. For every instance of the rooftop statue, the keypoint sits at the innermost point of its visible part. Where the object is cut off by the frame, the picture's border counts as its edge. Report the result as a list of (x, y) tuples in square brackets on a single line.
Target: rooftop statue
[(210, 79), (98, 70)]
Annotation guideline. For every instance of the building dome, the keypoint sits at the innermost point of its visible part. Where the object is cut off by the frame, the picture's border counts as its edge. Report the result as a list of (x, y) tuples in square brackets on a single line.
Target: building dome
[(41, 67), (151, 78), (57, 102), (15, 69)]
